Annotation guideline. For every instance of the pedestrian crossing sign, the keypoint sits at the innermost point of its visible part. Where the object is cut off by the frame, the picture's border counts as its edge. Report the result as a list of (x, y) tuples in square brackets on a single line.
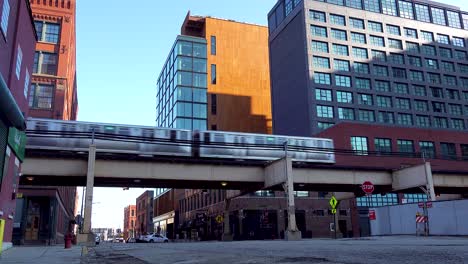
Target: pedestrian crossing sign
[(333, 202)]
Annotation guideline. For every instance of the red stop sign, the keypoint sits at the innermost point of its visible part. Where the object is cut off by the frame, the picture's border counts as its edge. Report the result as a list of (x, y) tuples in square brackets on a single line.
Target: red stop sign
[(368, 187)]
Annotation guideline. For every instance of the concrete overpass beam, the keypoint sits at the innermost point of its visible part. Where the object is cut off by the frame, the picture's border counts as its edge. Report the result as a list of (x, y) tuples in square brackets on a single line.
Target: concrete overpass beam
[(414, 177)]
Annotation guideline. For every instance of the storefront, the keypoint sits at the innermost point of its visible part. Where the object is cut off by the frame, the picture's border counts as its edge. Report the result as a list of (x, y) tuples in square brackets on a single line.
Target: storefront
[(165, 224)]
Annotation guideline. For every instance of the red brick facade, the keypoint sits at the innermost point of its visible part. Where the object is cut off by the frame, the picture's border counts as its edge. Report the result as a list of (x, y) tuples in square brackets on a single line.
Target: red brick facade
[(144, 212), (129, 221)]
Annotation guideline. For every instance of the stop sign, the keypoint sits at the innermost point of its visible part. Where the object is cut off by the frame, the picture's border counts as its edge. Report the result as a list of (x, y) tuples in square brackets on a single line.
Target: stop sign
[(368, 187)]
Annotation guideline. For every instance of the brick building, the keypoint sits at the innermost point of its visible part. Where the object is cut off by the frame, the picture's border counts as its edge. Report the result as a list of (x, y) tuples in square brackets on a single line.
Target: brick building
[(47, 212), (144, 214), (17, 43), (129, 222)]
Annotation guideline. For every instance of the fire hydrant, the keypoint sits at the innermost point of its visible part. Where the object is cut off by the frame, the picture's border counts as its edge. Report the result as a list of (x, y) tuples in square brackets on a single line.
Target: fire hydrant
[(68, 240)]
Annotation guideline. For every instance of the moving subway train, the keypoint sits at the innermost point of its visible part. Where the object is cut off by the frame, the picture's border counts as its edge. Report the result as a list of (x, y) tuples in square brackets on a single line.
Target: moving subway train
[(44, 134)]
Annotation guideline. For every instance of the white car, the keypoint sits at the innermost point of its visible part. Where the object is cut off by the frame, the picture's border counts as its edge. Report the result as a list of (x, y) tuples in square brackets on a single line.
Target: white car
[(156, 238)]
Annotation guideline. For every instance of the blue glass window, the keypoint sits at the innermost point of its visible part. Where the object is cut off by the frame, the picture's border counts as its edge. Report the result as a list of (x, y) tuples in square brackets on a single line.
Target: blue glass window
[(372, 5), (406, 9), (389, 7), (422, 13), (438, 16)]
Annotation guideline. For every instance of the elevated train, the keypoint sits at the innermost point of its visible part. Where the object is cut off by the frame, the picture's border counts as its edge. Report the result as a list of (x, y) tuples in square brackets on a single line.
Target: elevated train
[(75, 136)]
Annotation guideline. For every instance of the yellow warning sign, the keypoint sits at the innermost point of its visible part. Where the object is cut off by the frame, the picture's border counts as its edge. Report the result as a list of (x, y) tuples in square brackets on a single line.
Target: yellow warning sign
[(219, 219), (333, 202)]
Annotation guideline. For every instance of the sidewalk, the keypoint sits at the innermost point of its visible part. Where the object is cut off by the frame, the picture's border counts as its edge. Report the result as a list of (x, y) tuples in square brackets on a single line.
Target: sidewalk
[(41, 255)]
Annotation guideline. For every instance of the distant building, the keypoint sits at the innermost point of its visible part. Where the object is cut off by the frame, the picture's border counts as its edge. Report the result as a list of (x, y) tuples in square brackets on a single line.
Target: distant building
[(17, 43), (144, 213), (130, 216), (45, 214)]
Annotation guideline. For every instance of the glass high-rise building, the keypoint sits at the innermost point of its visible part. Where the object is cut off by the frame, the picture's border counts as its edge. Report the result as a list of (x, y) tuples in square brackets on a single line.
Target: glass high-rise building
[(391, 62), (181, 98)]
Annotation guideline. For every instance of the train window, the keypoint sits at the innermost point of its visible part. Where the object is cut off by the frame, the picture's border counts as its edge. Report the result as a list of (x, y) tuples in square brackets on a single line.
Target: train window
[(42, 126), (219, 138), (183, 135), (147, 133)]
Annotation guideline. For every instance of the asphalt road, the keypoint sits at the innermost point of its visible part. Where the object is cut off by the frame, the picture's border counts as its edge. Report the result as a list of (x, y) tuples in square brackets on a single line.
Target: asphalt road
[(380, 250)]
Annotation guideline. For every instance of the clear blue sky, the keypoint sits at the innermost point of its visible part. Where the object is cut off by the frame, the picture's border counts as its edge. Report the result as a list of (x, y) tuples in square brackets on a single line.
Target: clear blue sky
[(121, 48)]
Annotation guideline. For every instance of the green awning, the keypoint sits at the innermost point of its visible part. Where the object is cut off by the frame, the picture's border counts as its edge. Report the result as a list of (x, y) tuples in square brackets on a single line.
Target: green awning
[(9, 110)]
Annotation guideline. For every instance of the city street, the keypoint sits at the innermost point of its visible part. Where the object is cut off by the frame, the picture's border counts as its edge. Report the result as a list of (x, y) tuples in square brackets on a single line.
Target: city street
[(346, 251)]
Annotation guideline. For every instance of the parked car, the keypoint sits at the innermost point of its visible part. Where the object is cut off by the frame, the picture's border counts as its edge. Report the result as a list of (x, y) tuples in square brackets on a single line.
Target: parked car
[(156, 238), (131, 240)]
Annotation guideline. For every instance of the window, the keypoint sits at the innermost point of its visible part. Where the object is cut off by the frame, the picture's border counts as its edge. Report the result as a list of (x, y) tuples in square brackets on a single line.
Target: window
[(405, 146), (5, 17), (341, 65), (423, 121), (379, 55), (356, 23), (405, 119), (399, 73), (321, 62), (419, 90), (322, 78), (317, 16), (465, 96), (354, 3), (395, 44), (288, 7), (455, 109), (412, 47), (443, 39), (319, 46), (41, 96), (26, 83), (453, 94), (360, 53), (448, 151), (464, 82), (360, 67), (382, 86), (344, 97), (358, 38), (365, 99), (394, 30), (402, 103), (447, 66), (319, 31), (428, 50), (47, 32), (427, 36), (438, 107), (396, 58), (338, 34), (359, 145), (437, 92), (433, 78), (458, 124), (213, 45), (453, 19), (458, 42), (384, 101), (389, 7), (422, 13), (449, 80), (377, 41), (401, 88), (464, 151), (19, 60), (337, 20), (362, 83), (460, 55), (214, 104), (415, 61), (340, 49), (343, 81), (375, 26), (446, 53), (372, 5), (406, 9), (386, 117), (324, 111), (383, 145), (336, 2), (411, 33), (463, 68), (380, 70), (421, 106), (431, 64), (438, 16), (427, 148), (213, 73), (324, 125), (366, 115), (345, 113), (323, 95), (465, 21), (45, 63)]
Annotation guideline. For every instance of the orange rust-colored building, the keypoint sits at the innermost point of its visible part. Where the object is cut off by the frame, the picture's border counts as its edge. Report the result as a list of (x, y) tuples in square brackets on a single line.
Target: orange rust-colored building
[(48, 213), (54, 91), (129, 222)]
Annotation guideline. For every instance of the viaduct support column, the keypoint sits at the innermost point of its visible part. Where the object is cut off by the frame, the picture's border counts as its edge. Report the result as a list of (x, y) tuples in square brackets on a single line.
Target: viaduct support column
[(227, 234), (292, 233), (87, 238)]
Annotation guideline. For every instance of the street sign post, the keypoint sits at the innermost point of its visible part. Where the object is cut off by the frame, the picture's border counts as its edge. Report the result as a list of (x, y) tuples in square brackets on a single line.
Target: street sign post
[(334, 204), (367, 187)]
